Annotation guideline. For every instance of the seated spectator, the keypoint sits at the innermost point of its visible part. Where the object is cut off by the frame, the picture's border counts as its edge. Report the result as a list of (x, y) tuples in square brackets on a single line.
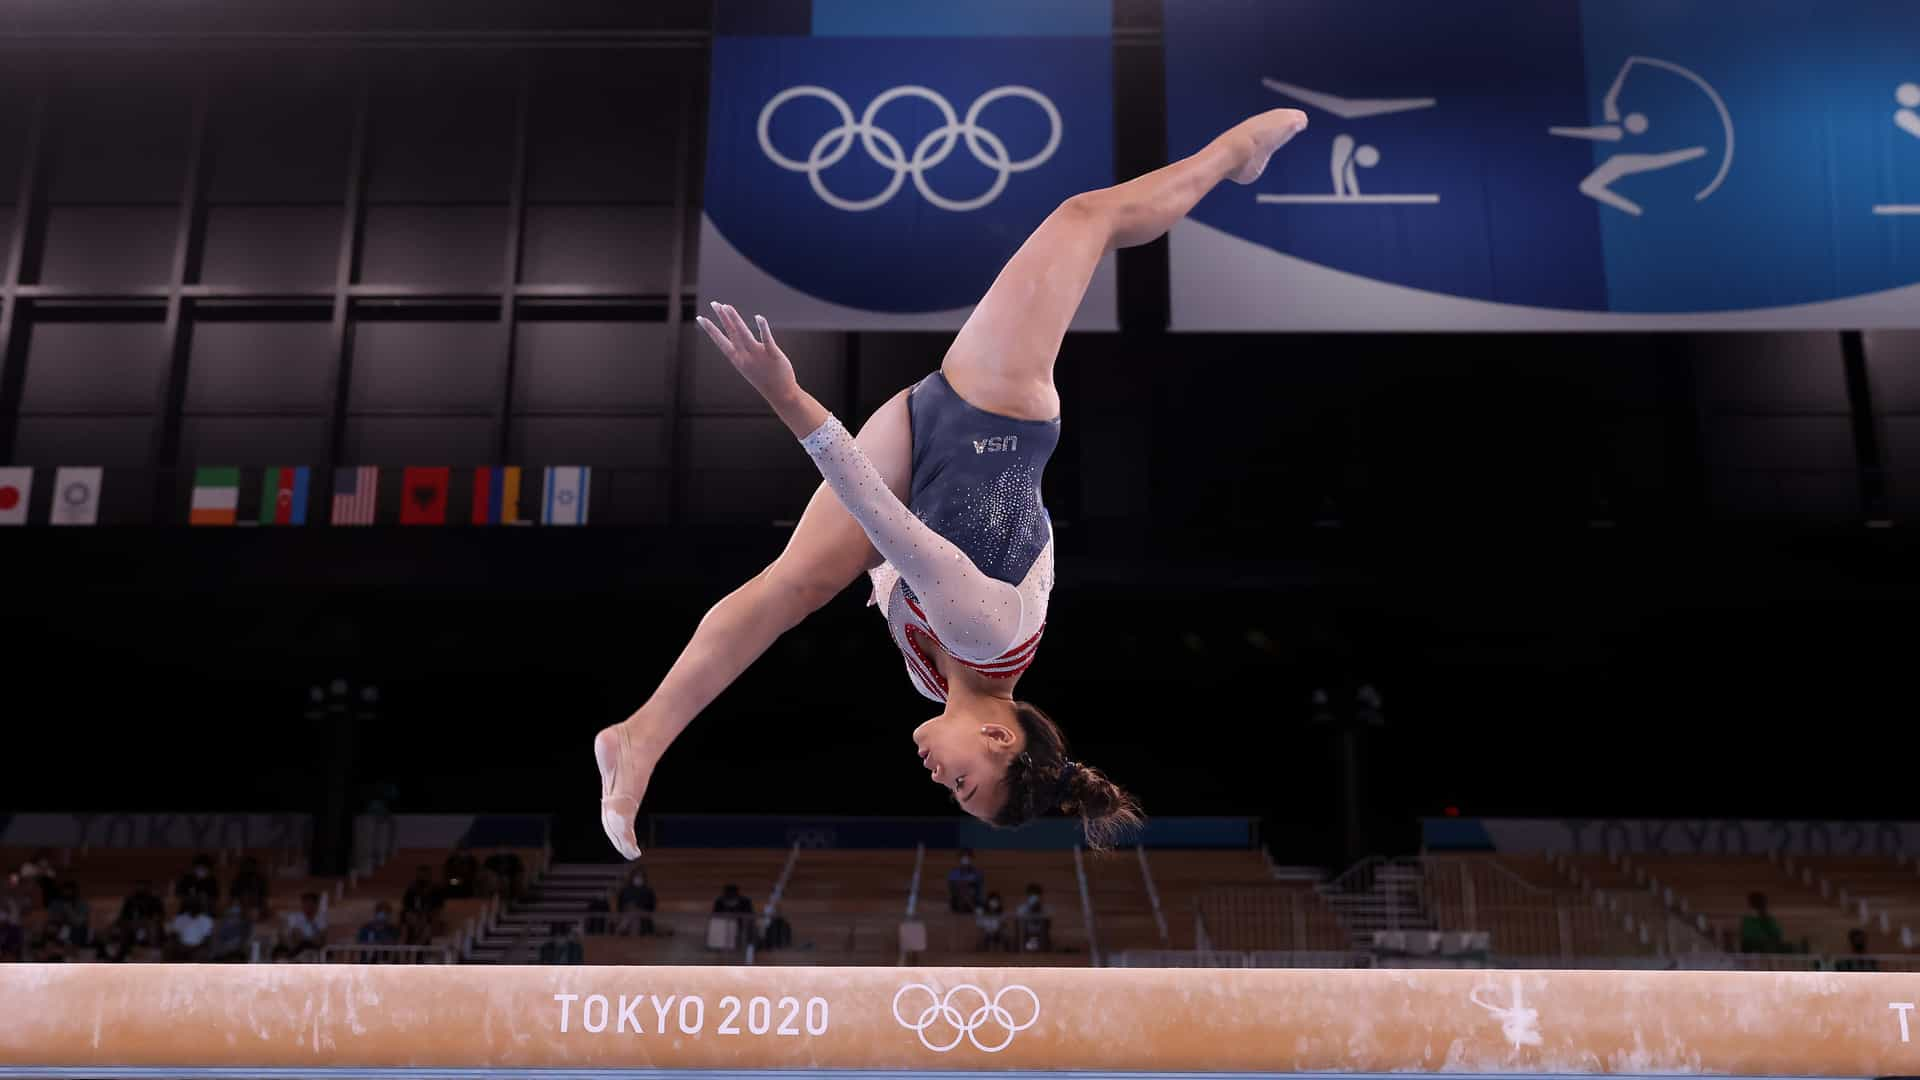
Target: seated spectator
[(189, 934), (964, 884), (991, 918), (19, 895), (143, 916), (1036, 922), (420, 907), (114, 946), (233, 934), (730, 902), (37, 873), (731, 925), (461, 872), (68, 916), (637, 904), (13, 940), (249, 887), (199, 882), (565, 947), (1759, 933), (379, 930), (1857, 958), (306, 930), (508, 872)]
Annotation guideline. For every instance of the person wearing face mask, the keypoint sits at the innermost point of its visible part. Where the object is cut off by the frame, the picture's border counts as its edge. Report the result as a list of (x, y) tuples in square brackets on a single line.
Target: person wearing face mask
[(199, 882), (991, 918), (233, 934), (965, 883), (1036, 922), (380, 930), (188, 933), (637, 905)]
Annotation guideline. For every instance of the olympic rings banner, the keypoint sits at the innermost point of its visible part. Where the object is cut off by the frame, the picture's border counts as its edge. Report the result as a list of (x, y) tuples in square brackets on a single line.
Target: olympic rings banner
[(1554, 164), (871, 164)]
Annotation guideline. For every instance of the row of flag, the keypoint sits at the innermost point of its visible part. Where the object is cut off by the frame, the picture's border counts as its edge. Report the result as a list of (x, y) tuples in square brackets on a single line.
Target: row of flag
[(282, 495)]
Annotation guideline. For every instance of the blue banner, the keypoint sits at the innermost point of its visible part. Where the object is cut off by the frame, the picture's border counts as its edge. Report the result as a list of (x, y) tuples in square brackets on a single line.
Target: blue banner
[(872, 165), (1553, 164)]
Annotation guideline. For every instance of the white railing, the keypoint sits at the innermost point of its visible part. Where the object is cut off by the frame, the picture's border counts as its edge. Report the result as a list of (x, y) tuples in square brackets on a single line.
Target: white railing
[(1086, 904), (773, 901), (1207, 958), (1216, 958), (1153, 893), (386, 954), (913, 887)]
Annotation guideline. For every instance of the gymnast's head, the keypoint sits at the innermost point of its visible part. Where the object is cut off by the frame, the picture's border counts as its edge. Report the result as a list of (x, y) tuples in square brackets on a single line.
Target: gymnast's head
[(1006, 763)]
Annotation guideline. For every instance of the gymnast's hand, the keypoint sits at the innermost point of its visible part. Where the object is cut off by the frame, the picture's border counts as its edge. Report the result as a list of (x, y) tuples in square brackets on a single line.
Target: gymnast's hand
[(760, 361)]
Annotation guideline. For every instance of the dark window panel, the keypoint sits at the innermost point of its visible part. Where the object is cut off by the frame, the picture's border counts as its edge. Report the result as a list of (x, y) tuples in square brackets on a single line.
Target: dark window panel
[(632, 497), (819, 360), (281, 133), (252, 440), (1828, 496), (394, 442), (242, 366), (749, 495), (105, 367), (450, 248), (125, 141), (1781, 442), (604, 129), (16, 107), (1784, 372), (590, 365), (741, 443), (1900, 441), (626, 246), (109, 247), (114, 442), (442, 129), (1893, 369), (260, 248), (429, 366), (690, 250), (639, 443)]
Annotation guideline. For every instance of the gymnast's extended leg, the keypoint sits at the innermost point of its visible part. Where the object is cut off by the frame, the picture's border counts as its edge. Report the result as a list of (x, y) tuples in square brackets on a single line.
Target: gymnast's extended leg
[(1002, 360), (828, 550)]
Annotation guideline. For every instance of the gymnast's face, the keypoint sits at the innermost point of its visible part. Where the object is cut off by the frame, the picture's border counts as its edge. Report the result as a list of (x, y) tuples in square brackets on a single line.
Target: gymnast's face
[(968, 757)]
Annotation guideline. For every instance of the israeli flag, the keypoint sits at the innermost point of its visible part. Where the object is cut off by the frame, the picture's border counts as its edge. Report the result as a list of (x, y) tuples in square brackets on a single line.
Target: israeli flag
[(565, 499)]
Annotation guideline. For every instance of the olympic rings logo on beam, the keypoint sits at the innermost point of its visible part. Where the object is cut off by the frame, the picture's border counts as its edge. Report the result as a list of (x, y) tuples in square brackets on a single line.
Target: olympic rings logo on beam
[(936, 147), (944, 1012)]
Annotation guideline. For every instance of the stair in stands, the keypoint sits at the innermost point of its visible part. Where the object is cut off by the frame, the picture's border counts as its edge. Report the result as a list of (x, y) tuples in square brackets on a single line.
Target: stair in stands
[(560, 895), (1389, 899)]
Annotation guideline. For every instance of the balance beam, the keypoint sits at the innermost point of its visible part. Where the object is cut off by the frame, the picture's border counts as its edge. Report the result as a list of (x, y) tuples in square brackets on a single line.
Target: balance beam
[(322, 1019)]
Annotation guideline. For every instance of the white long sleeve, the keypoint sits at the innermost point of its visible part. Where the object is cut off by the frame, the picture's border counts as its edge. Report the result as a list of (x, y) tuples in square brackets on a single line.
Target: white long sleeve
[(977, 618)]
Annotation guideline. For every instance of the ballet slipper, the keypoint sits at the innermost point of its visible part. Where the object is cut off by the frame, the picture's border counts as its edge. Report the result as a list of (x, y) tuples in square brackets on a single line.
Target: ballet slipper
[(1268, 132), (613, 752)]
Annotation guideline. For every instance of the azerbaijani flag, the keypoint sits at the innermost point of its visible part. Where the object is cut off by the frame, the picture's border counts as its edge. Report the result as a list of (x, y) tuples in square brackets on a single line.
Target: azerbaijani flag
[(216, 497), (496, 495), (283, 496)]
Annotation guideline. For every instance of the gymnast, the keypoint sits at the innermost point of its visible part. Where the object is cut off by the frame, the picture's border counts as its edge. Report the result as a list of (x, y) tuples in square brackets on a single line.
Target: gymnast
[(938, 500)]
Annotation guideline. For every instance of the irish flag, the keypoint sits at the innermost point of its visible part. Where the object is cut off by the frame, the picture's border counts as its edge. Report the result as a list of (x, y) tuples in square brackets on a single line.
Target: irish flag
[(216, 497)]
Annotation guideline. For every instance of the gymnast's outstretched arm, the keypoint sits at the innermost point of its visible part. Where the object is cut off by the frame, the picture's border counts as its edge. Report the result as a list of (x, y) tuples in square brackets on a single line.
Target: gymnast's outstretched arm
[(976, 617)]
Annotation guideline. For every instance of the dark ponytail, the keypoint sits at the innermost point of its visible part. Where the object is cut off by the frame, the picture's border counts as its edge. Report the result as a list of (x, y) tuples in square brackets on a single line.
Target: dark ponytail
[(1042, 780)]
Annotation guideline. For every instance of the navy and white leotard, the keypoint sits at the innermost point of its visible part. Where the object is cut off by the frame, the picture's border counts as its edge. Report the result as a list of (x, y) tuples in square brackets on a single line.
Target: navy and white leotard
[(969, 557)]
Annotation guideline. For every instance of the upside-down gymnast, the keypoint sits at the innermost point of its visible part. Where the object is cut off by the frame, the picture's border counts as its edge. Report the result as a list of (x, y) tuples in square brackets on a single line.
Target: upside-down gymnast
[(938, 499)]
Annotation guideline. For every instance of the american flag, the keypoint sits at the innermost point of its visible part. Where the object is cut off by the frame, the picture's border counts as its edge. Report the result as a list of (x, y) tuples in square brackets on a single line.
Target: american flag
[(353, 495)]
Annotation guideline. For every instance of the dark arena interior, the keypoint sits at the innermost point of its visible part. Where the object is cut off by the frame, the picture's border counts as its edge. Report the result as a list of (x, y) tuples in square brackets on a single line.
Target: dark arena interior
[(1454, 470)]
